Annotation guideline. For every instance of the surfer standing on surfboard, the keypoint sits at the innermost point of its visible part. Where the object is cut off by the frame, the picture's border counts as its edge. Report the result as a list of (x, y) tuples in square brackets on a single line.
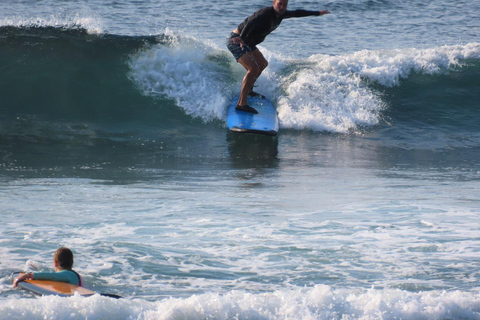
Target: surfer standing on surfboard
[(243, 41)]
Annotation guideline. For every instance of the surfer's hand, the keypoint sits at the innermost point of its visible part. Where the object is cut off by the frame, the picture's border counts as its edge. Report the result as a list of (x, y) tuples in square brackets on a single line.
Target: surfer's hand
[(324, 12), (20, 278), (238, 40)]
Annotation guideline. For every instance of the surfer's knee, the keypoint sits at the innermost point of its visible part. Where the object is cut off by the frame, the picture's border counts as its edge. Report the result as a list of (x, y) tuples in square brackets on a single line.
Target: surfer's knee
[(254, 71), (263, 65), (260, 60)]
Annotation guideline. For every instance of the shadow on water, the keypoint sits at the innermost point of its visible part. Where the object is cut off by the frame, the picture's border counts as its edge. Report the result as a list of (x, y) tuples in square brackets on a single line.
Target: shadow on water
[(133, 153), (252, 150)]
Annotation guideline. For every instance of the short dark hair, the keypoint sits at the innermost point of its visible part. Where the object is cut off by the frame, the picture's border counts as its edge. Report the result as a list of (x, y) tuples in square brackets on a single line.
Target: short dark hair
[(64, 257)]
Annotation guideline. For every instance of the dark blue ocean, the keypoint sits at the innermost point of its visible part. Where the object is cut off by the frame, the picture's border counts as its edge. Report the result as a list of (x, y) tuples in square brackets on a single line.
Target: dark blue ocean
[(113, 143)]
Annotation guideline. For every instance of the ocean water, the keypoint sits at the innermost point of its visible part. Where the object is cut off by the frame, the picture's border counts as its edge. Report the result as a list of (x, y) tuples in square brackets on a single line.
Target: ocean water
[(113, 142)]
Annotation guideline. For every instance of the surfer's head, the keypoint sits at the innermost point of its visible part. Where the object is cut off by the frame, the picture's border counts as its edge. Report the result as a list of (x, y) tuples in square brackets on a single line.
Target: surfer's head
[(280, 6), (63, 259)]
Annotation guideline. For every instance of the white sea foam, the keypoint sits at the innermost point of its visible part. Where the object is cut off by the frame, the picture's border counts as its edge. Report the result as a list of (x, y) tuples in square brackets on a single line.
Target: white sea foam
[(321, 93), (331, 92), (319, 302), (224, 261), (387, 67), (183, 70), (92, 24)]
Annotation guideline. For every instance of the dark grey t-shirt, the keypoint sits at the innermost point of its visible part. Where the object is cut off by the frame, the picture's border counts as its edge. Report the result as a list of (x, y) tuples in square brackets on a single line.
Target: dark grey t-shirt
[(254, 29)]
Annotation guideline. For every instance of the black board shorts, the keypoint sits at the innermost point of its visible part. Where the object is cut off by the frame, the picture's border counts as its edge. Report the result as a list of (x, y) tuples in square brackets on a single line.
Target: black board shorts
[(236, 49)]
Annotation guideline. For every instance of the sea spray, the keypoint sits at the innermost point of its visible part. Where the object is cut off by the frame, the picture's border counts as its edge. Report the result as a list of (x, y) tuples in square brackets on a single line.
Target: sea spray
[(183, 70), (333, 93)]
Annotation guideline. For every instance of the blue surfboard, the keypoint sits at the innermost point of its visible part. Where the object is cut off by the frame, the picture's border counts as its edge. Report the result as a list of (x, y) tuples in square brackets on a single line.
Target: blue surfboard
[(264, 122)]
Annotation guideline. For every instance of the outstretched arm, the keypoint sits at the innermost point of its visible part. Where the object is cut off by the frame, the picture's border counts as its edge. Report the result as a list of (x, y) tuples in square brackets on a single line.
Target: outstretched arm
[(304, 13)]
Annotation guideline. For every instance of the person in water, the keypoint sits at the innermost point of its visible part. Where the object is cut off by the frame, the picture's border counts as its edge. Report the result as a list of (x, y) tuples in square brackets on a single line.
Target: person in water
[(63, 263), (243, 42)]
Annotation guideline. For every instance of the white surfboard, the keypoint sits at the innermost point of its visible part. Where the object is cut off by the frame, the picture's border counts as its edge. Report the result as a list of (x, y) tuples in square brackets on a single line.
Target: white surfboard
[(56, 288), (46, 287)]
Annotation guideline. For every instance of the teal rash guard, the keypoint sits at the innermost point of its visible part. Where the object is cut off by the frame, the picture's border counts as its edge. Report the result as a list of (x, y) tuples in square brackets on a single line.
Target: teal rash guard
[(68, 276)]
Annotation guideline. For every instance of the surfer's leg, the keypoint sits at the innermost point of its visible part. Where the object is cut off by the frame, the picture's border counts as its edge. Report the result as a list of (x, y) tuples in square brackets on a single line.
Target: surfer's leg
[(262, 64), (254, 62)]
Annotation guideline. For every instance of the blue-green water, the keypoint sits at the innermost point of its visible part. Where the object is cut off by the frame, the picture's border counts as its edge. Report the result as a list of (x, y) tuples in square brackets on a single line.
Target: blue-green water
[(113, 143)]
